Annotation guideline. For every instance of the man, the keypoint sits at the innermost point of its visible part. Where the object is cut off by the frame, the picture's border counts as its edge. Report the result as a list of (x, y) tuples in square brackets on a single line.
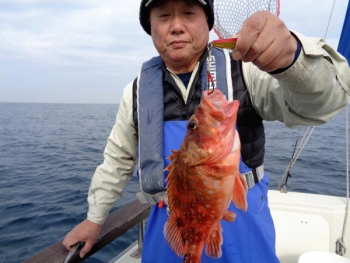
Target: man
[(290, 78)]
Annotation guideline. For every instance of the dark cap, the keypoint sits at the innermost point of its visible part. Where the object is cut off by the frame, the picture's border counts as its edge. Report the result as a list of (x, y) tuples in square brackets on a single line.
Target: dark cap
[(144, 13)]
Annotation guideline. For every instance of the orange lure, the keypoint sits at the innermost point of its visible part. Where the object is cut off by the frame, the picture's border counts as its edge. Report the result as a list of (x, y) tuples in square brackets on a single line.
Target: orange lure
[(228, 43)]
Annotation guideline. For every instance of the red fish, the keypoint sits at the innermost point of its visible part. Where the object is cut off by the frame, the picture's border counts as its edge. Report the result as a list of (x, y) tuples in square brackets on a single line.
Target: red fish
[(203, 179)]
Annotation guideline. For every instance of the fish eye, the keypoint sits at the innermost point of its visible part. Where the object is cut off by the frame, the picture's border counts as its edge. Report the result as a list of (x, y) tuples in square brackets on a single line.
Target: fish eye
[(191, 125)]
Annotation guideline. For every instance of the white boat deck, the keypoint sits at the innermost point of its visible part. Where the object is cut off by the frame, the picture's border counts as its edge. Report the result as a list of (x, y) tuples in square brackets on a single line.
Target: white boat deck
[(126, 257), (303, 222), (306, 222)]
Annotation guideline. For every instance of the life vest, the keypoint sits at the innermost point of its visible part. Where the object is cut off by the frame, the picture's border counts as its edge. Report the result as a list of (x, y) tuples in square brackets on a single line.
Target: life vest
[(151, 117)]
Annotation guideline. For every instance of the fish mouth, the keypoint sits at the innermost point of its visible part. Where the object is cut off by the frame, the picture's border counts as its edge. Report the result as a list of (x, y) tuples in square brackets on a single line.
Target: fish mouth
[(216, 119), (218, 106)]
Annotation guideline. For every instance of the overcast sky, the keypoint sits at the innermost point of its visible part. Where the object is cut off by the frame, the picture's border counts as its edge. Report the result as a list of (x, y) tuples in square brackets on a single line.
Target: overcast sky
[(86, 51)]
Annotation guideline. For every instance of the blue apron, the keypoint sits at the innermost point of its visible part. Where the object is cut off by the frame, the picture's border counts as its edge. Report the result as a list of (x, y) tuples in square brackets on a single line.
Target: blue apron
[(249, 239)]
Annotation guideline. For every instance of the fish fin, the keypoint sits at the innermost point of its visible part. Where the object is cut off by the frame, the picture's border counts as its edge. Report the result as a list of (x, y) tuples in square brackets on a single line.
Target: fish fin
[(213, 246), (173, 157), (229, 216), (172, 234), (239, 196)]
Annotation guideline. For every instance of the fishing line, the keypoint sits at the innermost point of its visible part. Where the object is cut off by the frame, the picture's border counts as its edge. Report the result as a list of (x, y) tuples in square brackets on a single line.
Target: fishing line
[(243, 95), (329, 20)]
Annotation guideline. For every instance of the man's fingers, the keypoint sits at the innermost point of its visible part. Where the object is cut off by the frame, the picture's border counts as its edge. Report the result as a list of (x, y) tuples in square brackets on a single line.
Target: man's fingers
[(86, 248), (248, 35), (69, 242), (87, 232), (265, 41)]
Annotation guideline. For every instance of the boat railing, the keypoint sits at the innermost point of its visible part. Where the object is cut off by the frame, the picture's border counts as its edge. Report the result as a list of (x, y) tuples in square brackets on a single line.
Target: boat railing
[(116, 224)]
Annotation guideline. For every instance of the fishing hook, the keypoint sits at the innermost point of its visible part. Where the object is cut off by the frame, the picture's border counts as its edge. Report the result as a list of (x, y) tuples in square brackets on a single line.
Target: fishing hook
[(210, 78)]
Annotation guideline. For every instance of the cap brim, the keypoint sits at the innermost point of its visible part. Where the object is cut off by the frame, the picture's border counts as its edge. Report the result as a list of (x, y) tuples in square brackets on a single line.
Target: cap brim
[(150, 1)]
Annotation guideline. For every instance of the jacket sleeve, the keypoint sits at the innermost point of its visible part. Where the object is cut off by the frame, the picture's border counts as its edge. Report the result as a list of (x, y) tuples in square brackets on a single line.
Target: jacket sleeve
[(114, 173), (312, 91)]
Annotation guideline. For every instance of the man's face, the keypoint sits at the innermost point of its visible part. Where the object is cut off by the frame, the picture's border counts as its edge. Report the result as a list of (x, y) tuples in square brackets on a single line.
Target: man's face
[(179, 32)]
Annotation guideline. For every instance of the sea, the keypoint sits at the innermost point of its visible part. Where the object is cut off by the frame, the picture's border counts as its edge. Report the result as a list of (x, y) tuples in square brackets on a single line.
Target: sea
[(49, 152)]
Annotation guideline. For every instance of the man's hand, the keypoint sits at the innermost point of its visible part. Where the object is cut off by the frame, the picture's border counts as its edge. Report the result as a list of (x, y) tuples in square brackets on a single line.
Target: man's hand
[(87, 232), (265, 41)]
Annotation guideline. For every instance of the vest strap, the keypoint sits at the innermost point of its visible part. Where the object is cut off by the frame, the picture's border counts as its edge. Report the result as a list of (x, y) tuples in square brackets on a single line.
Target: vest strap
[(254, 176), (152, 199)]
